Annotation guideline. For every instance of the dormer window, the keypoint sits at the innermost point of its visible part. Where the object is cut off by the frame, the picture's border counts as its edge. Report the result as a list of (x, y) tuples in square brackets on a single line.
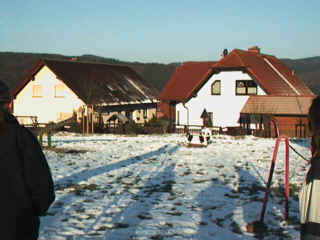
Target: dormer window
[(246, 87), (216, 88)]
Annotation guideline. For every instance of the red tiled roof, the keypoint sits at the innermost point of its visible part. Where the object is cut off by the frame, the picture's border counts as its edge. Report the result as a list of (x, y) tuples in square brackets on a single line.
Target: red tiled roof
[(273, 76), (270, 73), (278, 105), (96, 83), (185, 78)]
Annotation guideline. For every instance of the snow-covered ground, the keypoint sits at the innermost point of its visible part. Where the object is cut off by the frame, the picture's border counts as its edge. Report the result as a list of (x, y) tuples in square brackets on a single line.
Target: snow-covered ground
[(154, 187)]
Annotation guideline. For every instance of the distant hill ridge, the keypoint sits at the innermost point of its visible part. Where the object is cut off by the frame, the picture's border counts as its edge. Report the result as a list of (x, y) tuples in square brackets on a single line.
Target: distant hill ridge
[(14, 66)]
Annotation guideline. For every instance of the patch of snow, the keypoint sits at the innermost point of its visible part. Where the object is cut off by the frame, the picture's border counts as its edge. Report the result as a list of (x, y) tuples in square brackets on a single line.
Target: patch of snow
[(154, 187)]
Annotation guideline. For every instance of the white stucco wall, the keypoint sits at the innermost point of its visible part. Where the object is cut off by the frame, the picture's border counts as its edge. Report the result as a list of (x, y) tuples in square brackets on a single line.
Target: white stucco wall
[(48, 107), (225, 107)]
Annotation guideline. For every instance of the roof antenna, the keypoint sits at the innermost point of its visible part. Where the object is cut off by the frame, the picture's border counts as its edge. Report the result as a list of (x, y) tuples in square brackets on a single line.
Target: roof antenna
[(225, 52)]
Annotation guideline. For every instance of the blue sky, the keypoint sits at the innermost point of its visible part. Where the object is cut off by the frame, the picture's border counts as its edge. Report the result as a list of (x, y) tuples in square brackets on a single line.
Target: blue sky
[(160, 31)]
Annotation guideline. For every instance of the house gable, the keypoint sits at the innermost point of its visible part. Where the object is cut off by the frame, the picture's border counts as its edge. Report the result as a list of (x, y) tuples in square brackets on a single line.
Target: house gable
[(273, 76), (46, 97)]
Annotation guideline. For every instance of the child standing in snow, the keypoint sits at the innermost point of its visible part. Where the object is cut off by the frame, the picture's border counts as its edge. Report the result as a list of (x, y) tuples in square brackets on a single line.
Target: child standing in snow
[(310, 193)]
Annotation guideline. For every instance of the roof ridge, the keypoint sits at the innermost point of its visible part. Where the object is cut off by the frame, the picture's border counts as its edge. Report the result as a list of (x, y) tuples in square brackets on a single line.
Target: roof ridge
[(199, 62), (84, 62)]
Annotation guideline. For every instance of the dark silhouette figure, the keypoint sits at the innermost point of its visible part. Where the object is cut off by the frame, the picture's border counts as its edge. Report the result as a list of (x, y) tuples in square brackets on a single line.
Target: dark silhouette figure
[(26, 184), (309, 196)]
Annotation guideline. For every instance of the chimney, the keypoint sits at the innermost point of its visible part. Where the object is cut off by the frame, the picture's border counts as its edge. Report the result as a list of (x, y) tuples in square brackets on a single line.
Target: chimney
[(74, 59), (254, 49)]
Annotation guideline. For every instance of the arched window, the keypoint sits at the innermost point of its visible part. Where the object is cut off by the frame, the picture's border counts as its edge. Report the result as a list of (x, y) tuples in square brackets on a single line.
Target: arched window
[(216, 88)]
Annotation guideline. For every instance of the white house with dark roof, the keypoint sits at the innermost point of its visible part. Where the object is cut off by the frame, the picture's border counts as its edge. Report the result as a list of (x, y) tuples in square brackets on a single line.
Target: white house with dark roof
[(53, 90)]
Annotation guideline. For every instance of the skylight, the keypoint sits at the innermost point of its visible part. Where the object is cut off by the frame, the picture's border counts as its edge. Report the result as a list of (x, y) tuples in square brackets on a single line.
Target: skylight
[(136, 86)]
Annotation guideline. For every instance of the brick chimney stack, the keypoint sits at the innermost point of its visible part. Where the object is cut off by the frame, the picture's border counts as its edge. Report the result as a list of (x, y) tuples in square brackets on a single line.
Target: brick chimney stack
[(254, 49)]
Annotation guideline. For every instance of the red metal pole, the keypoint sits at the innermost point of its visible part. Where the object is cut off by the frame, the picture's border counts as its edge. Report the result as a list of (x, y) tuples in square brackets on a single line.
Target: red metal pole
[(274, 157), (287, 191), (287, 178)]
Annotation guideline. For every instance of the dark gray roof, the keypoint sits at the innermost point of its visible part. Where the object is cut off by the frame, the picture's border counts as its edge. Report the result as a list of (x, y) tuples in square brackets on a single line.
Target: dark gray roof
[(97, 83)]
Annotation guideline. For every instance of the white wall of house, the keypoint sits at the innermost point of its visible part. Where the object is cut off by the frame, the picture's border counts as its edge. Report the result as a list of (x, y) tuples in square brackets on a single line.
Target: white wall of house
[(225, 107), (56, 102)]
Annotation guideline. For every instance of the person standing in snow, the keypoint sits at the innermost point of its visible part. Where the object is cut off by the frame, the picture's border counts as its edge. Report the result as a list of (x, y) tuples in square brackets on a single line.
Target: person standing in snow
[(26, 183), (309, 199)]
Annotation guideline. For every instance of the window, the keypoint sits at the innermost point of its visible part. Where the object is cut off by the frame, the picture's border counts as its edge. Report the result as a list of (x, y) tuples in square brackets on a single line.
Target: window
[(246, 87), (59, 91), (37, 91), (216, 88)]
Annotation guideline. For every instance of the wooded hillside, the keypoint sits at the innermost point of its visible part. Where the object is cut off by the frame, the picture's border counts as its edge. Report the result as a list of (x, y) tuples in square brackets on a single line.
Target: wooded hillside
[(14, 67)]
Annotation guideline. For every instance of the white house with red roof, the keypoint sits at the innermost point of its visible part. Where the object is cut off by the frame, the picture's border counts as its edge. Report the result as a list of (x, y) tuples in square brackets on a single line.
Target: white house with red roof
[(216, 93)]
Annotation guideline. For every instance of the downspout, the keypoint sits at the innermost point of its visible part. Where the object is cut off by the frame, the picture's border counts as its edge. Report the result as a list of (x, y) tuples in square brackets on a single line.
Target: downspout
[(183, 104)]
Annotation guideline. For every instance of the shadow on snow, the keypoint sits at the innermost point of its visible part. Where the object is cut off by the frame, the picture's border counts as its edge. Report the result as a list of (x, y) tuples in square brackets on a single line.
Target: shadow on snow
[(166, 175), (86, 174), (225, 207)]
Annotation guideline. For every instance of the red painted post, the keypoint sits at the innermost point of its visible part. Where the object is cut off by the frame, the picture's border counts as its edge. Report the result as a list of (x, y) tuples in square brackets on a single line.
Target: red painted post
[(273, 162), (274, 157), (287, 177)]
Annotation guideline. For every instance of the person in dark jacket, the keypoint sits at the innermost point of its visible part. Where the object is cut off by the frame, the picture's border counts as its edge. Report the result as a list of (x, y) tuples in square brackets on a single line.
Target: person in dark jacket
[(26, 183), (310, 193)]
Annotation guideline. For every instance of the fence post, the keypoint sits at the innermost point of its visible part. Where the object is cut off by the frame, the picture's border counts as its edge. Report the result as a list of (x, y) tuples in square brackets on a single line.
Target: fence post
[(49, 138), (41, 138)]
